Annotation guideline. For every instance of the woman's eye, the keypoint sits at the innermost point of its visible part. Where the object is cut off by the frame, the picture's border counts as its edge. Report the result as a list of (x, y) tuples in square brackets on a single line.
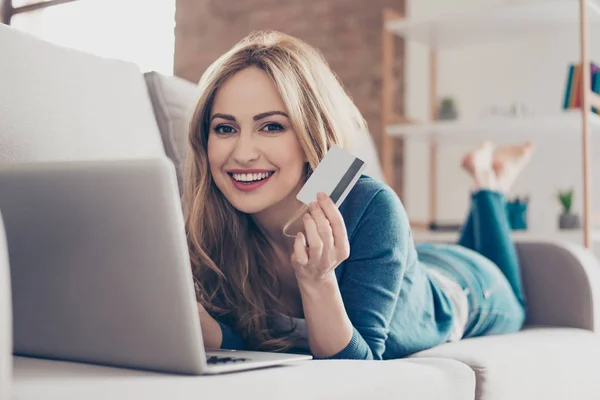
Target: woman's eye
[(273, 127), (224, 129)]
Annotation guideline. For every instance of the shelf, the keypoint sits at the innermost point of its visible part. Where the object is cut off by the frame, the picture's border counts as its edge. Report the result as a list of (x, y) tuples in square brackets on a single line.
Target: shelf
[(567, 124), (495, 23), (574, 236)]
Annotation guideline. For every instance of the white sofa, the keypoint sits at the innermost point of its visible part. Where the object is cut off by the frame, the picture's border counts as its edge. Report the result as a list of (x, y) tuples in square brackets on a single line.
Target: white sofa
[(59, 104), (5, 318)]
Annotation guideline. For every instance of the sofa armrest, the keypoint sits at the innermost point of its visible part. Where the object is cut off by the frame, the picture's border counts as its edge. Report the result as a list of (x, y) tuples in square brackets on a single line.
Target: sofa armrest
[(6, 343), (561, 283)]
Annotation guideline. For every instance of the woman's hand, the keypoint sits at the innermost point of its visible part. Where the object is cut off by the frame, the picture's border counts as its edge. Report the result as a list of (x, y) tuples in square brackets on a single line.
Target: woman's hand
[(329, 328), (327, 243)]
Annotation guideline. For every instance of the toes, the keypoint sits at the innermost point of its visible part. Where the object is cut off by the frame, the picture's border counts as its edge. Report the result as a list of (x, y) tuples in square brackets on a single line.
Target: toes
[(498, 166), (529, 147), (467, 161)]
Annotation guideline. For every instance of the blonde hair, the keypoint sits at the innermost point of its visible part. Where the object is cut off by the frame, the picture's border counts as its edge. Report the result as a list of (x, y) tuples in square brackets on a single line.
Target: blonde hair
[(232, 260)]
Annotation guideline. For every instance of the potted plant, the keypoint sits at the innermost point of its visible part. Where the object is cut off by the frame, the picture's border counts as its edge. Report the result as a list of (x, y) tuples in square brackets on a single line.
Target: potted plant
[(447, 109), (567, 219)]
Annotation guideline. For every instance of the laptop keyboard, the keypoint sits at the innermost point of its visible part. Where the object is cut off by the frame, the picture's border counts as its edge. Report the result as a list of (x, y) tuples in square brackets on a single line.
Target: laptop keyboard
[(225, 360)]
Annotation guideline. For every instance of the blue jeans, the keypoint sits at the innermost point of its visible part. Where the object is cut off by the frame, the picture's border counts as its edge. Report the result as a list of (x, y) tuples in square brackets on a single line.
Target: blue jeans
[(485, 264)]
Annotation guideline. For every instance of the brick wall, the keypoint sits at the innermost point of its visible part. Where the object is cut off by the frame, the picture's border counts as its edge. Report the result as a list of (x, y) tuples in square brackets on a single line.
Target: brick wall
[(348, 33)]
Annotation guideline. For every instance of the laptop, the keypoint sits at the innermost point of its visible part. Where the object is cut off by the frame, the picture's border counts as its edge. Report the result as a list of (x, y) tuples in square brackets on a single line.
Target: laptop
[(100, 269)]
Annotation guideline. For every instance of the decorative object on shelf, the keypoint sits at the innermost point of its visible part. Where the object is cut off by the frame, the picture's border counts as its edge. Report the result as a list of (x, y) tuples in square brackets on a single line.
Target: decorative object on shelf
[(573, 98), (514, 110), (447, 109), (516, 211), (518, 110), (567, 219)]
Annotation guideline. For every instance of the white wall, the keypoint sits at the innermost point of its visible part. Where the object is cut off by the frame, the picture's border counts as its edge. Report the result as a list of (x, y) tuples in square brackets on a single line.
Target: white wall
[(531, 71)]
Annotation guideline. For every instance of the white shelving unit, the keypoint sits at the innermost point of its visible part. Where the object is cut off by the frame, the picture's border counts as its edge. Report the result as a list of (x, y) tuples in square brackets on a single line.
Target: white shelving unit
[(553, 126), (513, 20), (498, 23)]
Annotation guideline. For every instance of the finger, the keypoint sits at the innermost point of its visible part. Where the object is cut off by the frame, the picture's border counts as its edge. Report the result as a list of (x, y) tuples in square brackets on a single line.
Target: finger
[(315, 245), (323, 227), (338, 226), (300, 255)]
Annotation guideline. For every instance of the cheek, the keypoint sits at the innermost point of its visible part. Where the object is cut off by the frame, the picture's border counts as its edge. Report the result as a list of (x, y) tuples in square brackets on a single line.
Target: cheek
[(215, 154), (289, 153), (217, 157)]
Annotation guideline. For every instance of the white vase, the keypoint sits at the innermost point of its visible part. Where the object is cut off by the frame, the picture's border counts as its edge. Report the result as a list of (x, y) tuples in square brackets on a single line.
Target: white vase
[(5, 319)]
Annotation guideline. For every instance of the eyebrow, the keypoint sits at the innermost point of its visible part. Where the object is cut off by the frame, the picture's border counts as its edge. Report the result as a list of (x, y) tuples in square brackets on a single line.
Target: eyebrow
[(257, 117), (224, 116)]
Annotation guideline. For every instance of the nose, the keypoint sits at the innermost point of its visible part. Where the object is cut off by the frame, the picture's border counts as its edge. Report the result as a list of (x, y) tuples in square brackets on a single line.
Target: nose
[(245, 150)]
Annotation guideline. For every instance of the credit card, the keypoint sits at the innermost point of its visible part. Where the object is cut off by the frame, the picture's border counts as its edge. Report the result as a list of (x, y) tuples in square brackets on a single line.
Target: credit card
[(336, 175)]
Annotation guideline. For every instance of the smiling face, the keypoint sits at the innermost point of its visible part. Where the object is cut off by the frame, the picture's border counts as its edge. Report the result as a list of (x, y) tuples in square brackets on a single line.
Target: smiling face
[(254, 155)]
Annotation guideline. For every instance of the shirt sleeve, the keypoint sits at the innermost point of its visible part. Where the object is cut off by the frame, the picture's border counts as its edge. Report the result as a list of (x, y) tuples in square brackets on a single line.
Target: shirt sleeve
[(371, 281), (231, 339)]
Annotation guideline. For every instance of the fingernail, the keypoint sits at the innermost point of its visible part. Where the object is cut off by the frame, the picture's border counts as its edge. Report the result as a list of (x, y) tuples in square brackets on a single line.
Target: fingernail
[(320, 195), (313, 205)]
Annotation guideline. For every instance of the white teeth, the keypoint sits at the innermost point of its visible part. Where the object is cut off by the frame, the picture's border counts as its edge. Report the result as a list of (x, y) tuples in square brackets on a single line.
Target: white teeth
[(251, 177)]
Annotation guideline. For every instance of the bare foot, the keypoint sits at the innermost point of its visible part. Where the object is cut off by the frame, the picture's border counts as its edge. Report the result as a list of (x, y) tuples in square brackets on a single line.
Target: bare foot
[(478, 163), (509, 161)]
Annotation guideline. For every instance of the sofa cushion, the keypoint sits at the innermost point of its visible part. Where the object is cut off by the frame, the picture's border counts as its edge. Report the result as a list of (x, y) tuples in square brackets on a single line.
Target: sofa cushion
[(58, 104), (423, 379), (536, 363), (173, 100)]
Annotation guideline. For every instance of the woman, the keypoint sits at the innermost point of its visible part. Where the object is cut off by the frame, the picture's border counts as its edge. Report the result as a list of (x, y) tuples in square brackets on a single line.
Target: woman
[(271, 274)]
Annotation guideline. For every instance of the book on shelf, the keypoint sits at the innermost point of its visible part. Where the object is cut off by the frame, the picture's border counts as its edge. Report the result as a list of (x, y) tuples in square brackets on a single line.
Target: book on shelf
[(573, 92)]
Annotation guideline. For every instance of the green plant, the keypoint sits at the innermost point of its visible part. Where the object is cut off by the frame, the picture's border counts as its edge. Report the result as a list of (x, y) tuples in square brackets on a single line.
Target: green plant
[(566, 199), (447, 103)]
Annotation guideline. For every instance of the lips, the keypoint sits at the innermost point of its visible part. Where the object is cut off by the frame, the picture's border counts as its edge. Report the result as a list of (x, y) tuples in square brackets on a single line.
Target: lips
[(262, 177)]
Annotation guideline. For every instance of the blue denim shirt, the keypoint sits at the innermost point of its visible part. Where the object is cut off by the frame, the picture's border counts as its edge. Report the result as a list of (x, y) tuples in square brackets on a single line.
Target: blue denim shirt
[(394, 307)]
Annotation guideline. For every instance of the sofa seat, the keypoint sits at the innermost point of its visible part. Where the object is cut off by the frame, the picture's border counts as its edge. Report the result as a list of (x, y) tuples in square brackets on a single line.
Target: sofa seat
[(419, 379), (536, 363)]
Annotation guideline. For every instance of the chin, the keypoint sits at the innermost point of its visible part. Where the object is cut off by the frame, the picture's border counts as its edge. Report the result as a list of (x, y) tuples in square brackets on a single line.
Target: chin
[(247, 204), (249, 207)]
